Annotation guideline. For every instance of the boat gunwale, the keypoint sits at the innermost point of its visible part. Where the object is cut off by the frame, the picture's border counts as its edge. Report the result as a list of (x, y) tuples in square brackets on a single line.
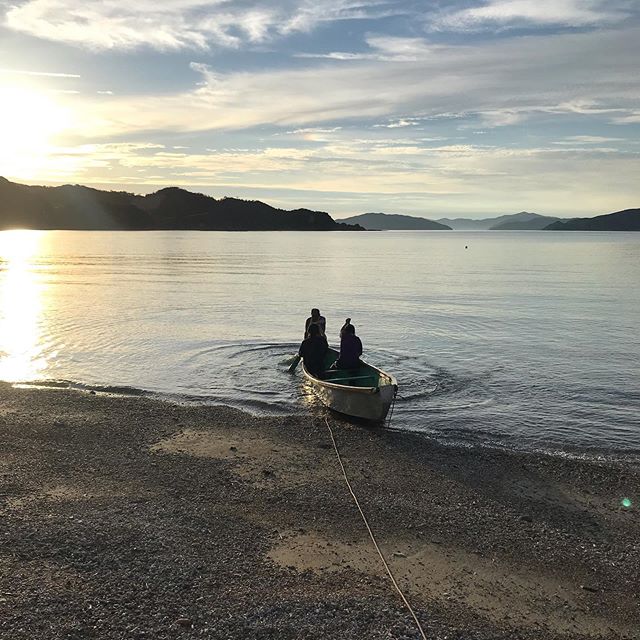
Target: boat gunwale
[(351, 388)]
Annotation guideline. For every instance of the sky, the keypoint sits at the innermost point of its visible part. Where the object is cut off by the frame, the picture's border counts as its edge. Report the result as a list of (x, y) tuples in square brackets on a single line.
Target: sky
[(429, 108)]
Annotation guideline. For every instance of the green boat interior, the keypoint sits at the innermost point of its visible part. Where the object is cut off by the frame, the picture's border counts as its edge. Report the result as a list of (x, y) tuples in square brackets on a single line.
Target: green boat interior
[(363, 376)]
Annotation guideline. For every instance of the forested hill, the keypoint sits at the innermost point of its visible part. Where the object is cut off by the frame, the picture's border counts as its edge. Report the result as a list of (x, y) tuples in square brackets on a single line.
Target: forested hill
[(627, 220), (394, 222), (79, 207)]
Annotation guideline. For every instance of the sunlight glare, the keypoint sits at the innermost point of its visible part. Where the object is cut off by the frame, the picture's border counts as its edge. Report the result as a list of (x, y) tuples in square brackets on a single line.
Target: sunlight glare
[(21, 358), (28, 122)]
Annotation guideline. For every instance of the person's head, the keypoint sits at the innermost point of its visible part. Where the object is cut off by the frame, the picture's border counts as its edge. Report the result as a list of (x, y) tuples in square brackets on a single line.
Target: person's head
[(314, 331), (349, 328), (315, 313)]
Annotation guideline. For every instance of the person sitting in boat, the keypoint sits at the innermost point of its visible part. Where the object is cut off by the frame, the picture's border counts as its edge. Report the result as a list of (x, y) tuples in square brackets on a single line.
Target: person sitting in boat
[(313, 351), (316, 319), (350, 348), (347, 322)]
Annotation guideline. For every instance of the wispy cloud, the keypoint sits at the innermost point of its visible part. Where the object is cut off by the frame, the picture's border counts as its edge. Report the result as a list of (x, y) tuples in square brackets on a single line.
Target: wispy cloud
[(310, 13), (629, 118), (397, 124), (389, 172), (401, 49), (384, 49), (499, 84), (181, 24), (48, 74), (587, 140), (573, 13), (315, 130)]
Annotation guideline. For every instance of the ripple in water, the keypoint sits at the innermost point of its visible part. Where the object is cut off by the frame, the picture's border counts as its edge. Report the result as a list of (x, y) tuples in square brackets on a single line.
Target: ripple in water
[(512, 343)]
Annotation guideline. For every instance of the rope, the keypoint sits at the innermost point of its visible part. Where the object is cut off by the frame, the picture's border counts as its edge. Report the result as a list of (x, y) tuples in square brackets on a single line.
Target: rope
[(373, 539), (393, 404)]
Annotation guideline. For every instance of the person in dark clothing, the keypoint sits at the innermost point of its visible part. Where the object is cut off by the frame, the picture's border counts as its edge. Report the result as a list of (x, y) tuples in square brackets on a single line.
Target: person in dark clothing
[(313, 351), (350, 348), (316, 319)]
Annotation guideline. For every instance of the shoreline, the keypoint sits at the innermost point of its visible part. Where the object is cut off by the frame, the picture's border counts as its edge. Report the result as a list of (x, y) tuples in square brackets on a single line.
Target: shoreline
[(137, 517), (594, 454)]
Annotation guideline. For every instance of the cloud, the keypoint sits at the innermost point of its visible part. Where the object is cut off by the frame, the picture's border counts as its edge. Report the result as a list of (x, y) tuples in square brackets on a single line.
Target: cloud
[(505, 13), (180, 24), (339, 55), (497, 84), (310, 13), (631, 118), (397, 124), (315, 130), (392, 173), (401, 49), (385, 49), (574, 140), (394, 122), (121, 25), (48, 74)]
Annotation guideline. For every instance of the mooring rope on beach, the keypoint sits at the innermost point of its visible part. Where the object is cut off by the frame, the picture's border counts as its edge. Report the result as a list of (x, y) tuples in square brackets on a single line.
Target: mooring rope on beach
[(393, 404), (373, 538)]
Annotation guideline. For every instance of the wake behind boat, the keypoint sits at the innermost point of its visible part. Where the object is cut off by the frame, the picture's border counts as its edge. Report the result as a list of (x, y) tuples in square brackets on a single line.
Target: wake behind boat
[(366, 392)]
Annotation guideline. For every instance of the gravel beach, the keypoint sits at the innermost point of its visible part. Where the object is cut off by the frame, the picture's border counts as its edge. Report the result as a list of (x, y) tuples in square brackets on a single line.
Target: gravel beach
[(129, 517)]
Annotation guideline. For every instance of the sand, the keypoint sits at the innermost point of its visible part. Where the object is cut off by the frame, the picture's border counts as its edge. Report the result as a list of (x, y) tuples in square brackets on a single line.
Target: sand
[(135, 518)]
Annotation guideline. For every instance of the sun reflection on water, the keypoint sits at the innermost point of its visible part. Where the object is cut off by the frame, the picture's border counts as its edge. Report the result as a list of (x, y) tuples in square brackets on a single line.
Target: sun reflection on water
[(21, 307)]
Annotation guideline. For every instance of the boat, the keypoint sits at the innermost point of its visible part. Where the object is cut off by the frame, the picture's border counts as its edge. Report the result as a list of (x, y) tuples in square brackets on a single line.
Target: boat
[(366, 392)]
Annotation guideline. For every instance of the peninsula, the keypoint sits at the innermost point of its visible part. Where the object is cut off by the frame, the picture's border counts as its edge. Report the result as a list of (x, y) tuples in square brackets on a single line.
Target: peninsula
[(627, 220), (83, 208), (395, 222)]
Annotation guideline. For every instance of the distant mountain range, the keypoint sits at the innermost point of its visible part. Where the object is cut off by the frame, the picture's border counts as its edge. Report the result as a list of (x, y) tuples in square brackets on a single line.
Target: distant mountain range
[(522, 221), (627, 220), (394, 222), (79, 207)]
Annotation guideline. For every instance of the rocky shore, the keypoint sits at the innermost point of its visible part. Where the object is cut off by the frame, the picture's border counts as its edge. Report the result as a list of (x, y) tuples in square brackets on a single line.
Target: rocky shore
[(135, 518)]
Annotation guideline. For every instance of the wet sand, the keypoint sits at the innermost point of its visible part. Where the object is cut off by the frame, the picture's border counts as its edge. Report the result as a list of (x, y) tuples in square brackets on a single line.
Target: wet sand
[(135, 518)]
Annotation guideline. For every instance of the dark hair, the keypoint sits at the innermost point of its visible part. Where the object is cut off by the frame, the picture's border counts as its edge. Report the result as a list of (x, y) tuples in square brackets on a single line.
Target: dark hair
[(350, 329), (314, 330), (315, 312)]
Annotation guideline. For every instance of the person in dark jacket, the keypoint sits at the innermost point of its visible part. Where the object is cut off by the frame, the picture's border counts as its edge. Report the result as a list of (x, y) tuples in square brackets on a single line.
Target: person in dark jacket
[(350, 348), (347, 322), (316, 319), (313, 351)]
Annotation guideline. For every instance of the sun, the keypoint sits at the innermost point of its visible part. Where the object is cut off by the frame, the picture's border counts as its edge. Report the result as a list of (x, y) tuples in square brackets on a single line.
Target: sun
[(29, 120)]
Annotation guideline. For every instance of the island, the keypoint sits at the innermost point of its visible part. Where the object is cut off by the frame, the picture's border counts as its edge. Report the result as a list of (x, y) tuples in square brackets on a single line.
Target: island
[(77, 207), (395, 222)]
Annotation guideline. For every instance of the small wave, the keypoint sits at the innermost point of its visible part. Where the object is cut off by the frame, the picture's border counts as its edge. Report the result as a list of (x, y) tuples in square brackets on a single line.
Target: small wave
[(121, 390), (251, 355), (43, 384)]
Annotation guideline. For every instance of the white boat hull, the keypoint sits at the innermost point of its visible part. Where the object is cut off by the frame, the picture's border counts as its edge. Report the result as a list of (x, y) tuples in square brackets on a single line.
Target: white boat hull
[(369, 403)]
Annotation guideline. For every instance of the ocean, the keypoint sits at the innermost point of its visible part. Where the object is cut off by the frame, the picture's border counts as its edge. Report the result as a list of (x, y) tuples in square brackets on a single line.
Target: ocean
[(524, 340)]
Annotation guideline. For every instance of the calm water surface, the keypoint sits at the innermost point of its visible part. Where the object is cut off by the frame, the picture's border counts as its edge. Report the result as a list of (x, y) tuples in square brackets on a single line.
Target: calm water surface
[(523, 339)]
